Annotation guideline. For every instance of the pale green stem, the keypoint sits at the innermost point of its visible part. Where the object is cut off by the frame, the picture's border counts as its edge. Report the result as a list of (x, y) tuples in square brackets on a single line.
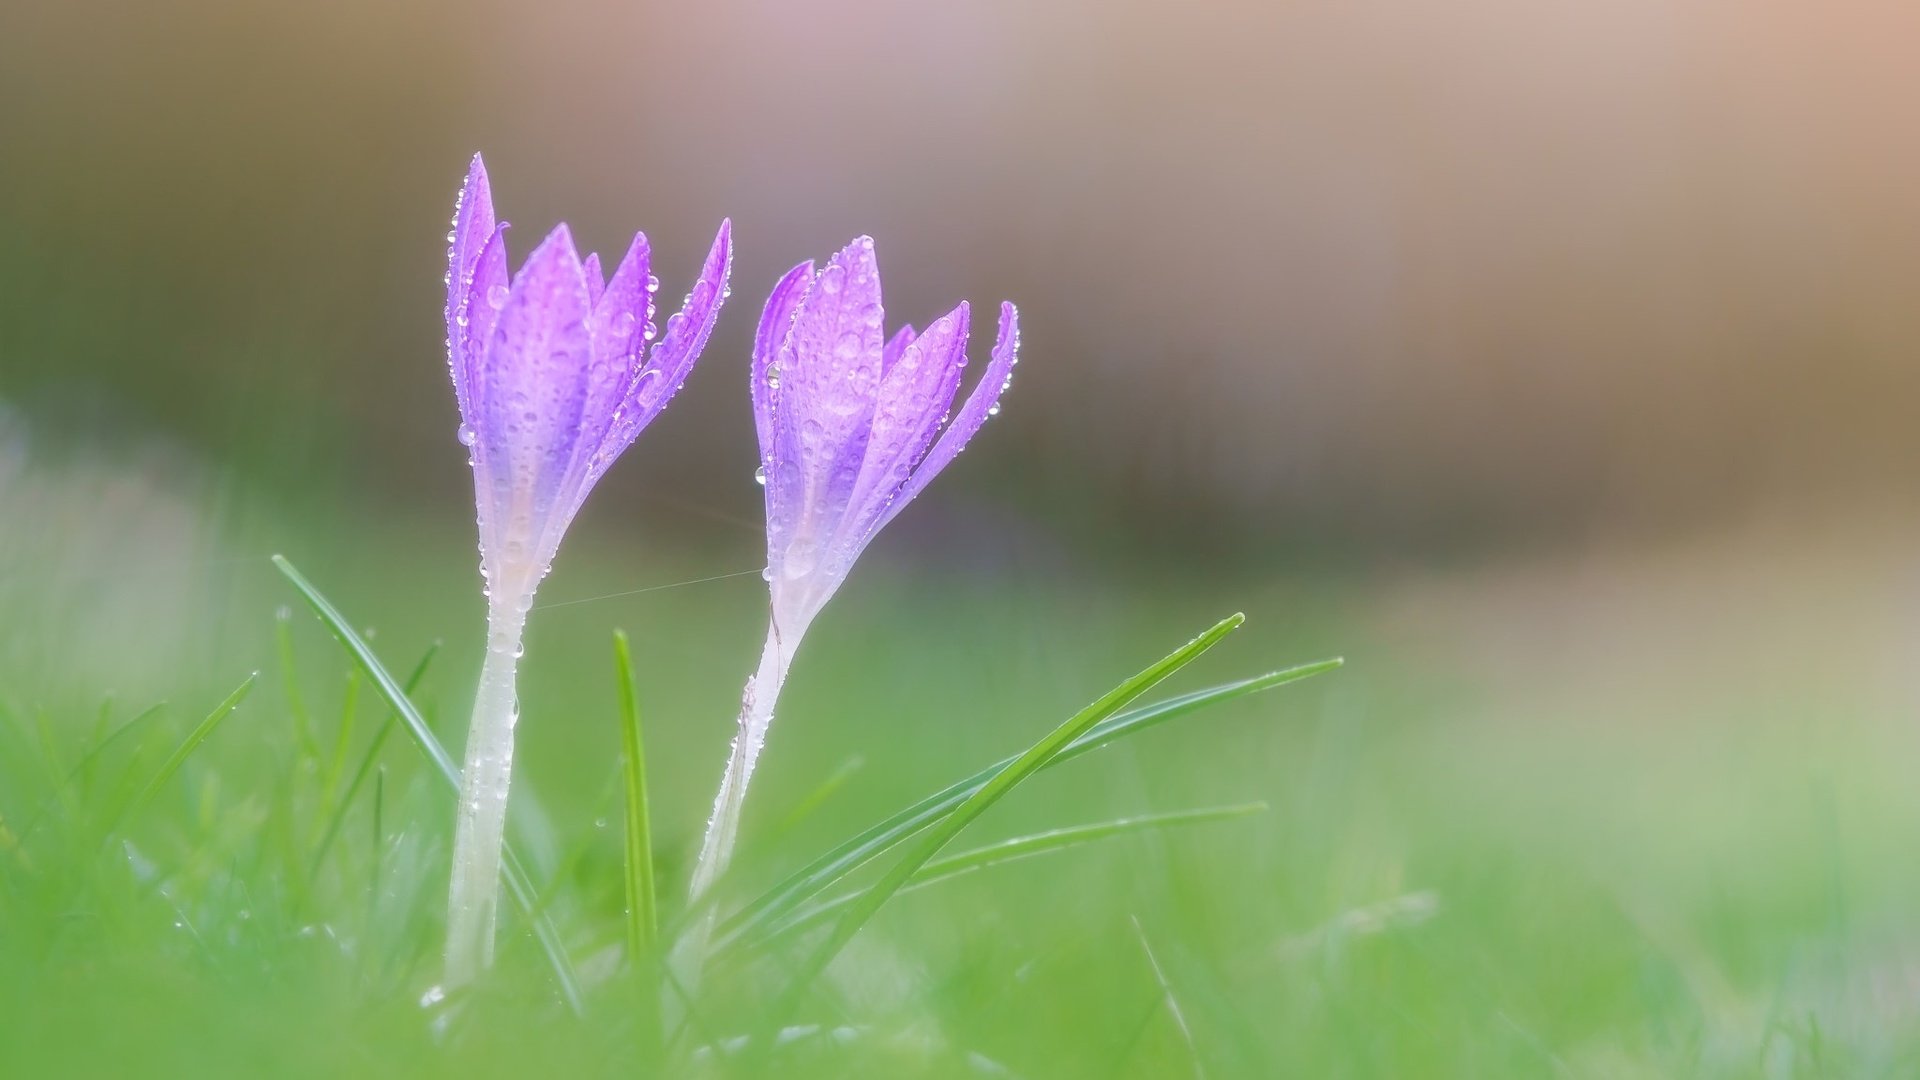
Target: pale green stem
[(481, 822), (689, 953), (756, 716)]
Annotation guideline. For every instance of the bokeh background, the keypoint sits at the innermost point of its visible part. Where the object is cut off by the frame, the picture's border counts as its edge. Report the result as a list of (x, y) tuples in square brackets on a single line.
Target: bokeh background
[(1557, 362)]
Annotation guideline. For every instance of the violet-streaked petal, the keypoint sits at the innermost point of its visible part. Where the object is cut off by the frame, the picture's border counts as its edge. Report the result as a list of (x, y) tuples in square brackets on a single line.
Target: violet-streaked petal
[(836, 344), (982, 403), (596, 281), (915, 397), (777, 413), (486, 295), (473, 227), (617, 336), (533, 384), (673, 355), (897, 344), (776, 322)]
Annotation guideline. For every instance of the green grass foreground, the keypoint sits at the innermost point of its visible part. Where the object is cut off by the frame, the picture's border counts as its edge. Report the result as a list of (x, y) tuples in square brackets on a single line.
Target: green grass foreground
[(1392, 871)]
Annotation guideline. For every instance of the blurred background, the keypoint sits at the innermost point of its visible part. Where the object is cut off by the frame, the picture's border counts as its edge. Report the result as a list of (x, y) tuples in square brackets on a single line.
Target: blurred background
[(1555, 361), (1383, 274)]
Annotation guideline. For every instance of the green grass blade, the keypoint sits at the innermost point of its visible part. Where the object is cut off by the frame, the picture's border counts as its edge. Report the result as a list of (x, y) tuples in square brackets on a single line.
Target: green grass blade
[(1005, 780), (192, 742), (642, 911), (1005, 851), (342, 739), (512, 870), (290, 680), (809, 881), (339, 814)]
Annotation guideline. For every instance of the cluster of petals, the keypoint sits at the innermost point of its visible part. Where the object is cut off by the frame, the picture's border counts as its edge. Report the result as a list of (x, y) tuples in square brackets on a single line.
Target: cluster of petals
[(557, 368), (853, 424)]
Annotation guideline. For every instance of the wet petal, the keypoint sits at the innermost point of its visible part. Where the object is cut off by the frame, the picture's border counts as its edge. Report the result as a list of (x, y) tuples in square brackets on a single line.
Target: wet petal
[(981, 404), (596, 281), (672, 357), (776, 324), (896, 345), (531, 388), (473, 227), (830, 373), (915, 397)]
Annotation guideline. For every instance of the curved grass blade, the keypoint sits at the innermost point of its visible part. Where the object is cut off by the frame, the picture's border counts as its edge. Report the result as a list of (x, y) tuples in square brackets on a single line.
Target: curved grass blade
[(1003, 781), (809, 881), (643, 921), (192, 742), (519, 885), (1005, 851)]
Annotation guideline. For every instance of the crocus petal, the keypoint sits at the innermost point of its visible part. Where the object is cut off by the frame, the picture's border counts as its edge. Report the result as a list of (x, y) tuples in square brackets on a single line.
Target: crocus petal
[(915, 398), (837, 333), (775, 417), (473, 327), (473, 227), (776, 322), (673, 355), (596, 281), (981, 404), (617, 337), (532, 387), (896, 345)]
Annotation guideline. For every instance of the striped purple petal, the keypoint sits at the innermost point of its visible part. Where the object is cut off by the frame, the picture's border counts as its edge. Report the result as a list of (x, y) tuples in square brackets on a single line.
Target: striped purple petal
[(984, 402)]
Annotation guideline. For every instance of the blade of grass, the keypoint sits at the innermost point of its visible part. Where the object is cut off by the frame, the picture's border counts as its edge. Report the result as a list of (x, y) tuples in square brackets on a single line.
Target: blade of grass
[(192, 742), (1002, 782), (1005, 851), (342, 738), (642, 912), (809, 881), (512, 870), (290, 681), (813, 800), (339, 814), (85, 765)]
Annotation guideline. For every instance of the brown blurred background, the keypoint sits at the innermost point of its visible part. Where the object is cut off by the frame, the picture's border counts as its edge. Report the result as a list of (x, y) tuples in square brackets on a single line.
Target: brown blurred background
[(1358, 273)]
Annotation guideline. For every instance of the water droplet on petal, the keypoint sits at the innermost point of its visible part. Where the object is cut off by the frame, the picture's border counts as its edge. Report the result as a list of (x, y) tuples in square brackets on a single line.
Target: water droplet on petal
[(798, 562), (496, 296), (466, 435), (993, 409), (760, 476)]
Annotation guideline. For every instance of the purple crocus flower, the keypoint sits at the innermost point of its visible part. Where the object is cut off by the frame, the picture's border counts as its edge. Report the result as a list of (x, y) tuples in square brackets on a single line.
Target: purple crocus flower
[(850, 426), (556, 369)]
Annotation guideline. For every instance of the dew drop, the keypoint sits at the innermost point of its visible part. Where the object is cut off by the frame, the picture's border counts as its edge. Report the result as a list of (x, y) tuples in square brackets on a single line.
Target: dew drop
[(496, 296), (760, 476), (653, 284), (993, 409), (466, 435), (799, 560)]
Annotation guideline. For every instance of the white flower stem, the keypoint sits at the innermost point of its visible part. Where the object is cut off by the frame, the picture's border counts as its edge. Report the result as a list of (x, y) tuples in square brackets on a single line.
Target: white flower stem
[(480, 825), (756, 716)]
